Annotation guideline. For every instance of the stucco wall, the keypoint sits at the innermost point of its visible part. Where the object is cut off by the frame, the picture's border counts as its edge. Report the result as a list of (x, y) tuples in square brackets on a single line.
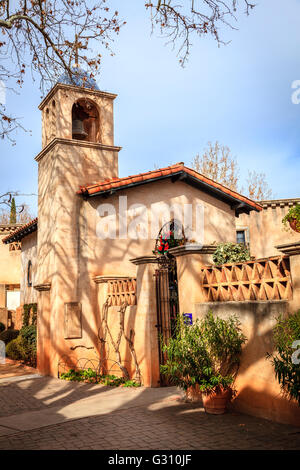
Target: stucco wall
[(71, 254), (113, 256), (10, 262), (266, 229), (259, 393), (29, 253)]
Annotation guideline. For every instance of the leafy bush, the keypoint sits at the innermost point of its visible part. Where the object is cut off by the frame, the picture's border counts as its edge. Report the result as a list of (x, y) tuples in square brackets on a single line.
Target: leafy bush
[(230, 253), (28, 344), (13, 349), (8, 335), (24, 346), (27, 309), (2, 327), (90, 376), (206, 353), (293, 214), (287, 372)]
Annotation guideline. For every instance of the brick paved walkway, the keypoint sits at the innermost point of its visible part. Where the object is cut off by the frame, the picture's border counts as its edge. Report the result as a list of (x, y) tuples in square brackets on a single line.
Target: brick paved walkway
[(14, 368), (45, 413)]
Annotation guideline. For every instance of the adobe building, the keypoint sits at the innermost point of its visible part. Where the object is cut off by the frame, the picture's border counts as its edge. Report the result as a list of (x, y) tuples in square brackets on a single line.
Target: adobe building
[(103, 296), (10, 274), (263, 231)]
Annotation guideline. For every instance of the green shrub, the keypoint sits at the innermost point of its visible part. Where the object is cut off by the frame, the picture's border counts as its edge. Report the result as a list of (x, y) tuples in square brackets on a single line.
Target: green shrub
[(2, 327), (230, 253), (293, 214), (27, 308), (287, 372), (28, 344), (13, 349), (29, 334), (24, 346), (206, 353), (8, 335), (90, 376)]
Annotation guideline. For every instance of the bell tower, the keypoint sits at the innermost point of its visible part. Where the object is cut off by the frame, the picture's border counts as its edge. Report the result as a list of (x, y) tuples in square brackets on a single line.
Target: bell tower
[(77, 148)]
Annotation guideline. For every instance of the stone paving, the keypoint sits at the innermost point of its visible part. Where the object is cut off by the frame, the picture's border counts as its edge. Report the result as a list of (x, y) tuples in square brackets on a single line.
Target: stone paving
[(46, 413), (14, 368)]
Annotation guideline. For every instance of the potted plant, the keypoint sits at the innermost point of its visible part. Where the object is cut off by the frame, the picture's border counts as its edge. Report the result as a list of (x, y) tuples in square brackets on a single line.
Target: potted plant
[(286, 355), (204, 357), (293, 218)]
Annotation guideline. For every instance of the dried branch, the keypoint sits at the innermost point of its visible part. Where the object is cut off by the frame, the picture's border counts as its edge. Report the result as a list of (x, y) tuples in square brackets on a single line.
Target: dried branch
[(178, 21), (47, 37)]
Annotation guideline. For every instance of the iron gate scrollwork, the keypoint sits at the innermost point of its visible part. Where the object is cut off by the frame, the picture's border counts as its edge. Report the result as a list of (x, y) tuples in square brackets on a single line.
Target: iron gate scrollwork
[(167, 304)]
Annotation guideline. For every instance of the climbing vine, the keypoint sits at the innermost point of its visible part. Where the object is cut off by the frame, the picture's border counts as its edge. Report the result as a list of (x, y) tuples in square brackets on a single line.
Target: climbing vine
[(27, 310), (116, 343)]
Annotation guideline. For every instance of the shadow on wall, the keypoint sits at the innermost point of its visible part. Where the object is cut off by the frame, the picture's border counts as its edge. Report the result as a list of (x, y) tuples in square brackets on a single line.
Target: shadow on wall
[(259, 393)]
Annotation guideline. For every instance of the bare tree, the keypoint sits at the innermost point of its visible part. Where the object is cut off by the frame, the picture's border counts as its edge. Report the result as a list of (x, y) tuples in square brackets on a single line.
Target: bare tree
[(46, 37), (178, 21), (23, 216), (258, 188), (218, 164), (23, 212)]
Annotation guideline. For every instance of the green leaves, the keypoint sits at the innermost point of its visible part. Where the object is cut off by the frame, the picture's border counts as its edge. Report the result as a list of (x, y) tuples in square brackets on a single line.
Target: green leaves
[(230, 253), (90, 376), (293, 214), (206, 353), (285, 332)]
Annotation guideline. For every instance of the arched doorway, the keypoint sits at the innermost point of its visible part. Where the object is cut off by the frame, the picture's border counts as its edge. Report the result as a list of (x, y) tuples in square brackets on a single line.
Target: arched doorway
[(170, 235)]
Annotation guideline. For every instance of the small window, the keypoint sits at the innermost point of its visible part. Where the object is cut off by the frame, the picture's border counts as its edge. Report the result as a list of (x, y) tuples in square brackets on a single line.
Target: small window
[(241, 236), (29, 274)]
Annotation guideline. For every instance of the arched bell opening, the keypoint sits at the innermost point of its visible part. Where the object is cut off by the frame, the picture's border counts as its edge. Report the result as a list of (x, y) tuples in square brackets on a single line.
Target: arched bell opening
[(85, 121)]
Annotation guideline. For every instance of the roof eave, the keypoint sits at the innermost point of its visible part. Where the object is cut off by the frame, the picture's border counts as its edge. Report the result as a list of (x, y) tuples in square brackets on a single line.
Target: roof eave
[(21, 234), (235, 203)]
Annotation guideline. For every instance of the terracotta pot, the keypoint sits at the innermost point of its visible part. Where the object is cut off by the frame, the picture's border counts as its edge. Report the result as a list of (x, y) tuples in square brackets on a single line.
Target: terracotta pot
[(193, 394), (215, 402), (293, 225)]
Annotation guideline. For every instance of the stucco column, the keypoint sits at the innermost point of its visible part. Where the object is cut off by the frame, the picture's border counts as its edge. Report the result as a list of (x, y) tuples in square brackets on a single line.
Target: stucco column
[(146, 318), (189, 260), (2, 296), (293, 250), (44, 346)]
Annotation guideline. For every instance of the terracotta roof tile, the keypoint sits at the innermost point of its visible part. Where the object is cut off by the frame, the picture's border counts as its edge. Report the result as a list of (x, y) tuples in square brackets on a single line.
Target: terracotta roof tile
[(20, 232), (114, 183)]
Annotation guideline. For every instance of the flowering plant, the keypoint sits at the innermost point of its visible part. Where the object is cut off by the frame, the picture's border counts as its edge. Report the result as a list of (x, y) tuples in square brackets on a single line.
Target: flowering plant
[(167, 241)]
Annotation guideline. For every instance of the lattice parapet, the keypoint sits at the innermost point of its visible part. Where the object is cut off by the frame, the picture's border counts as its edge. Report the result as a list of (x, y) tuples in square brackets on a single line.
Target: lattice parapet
[(122, 290), (262, 279)]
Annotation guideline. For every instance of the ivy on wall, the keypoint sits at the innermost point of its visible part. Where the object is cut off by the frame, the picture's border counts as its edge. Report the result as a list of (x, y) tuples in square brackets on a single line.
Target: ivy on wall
[(27, 309)]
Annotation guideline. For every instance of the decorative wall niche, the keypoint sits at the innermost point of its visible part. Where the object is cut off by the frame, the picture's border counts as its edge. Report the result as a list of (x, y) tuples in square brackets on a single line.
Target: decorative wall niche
[(72, 320)]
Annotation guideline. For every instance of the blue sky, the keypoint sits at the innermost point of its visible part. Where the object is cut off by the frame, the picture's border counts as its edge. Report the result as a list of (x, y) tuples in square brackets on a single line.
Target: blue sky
[(239, 94)]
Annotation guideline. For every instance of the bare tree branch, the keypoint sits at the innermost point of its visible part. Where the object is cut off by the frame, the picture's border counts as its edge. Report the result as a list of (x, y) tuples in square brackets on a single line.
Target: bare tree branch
[(48, 36), (178, 20)]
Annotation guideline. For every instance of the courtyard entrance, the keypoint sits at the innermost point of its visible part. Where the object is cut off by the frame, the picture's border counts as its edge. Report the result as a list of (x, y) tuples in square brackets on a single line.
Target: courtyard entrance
[(167, 304)]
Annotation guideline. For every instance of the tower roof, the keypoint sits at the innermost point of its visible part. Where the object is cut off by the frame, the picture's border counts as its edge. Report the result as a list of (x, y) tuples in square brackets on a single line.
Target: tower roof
[(81, 78)]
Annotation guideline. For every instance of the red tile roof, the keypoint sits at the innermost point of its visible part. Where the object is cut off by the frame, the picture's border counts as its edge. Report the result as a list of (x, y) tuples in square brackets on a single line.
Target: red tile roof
[(122, 183), (21, 232)]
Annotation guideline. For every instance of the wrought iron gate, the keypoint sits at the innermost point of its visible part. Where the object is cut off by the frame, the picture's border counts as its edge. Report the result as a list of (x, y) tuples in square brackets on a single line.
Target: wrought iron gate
[(167, 304)]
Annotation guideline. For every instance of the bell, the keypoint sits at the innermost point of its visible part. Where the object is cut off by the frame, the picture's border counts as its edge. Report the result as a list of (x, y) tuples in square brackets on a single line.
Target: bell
[(78, 131)]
